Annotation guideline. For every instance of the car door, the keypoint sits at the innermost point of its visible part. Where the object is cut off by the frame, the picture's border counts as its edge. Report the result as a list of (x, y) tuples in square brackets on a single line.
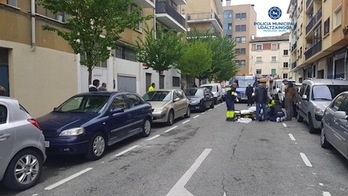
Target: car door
[(305, 102), (137, 112), (7, 136), (341, 127), (119, 120), (183, 102)]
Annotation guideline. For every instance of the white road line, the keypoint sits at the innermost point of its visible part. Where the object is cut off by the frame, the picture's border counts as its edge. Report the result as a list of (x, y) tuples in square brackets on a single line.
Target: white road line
[(125, 151), (292, 137), (305, 160), (170, 129), (203, 113), (209, 110), (179, 187), (154, 137), (325, 193), (186, 122), (196, 116), (284, 125), (67, 179)]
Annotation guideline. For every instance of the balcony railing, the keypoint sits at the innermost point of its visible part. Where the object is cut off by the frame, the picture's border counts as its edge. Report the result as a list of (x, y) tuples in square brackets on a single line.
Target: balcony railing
[(205, 16), (163, 7), (308, 2), (314, 20), (294, 46), (313, 50)]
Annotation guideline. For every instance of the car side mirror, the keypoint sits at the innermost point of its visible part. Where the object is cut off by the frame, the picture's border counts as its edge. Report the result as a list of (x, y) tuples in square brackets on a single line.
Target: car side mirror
[(176, 99), (304, 97), (340, 115)]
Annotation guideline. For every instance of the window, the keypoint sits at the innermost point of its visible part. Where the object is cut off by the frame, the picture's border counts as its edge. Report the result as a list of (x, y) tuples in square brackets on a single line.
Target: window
[(240, 28), (101, 64), (240, 51), (227, 14), (258, 71), (285, 64), (3, 114), (118, 102), (336, 104), (240, 39), (240, 16), (229, 26), (273, 59), (337, 17), (258, 47), (327, 26), (274, 47), (285, 75), (126, 53), (12, 2), (285, 52), (134, 100), (240, 62), (259, 59), (176, 81), (139, 25)]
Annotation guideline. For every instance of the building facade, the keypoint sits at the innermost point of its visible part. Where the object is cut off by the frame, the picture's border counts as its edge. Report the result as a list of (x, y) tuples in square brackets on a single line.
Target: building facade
[(269, 56), (238, 24), (319, 39), (40, 69)]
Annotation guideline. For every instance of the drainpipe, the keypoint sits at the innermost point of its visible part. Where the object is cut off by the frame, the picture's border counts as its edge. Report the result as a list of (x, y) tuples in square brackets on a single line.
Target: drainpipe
[(33, 33), (154, 18)]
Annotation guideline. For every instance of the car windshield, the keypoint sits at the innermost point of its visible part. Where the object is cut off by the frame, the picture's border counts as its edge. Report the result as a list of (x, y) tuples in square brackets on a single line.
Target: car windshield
[(194, 92), (157, 96), (86, 103), (245, 83), (212, 88), (327, 92)]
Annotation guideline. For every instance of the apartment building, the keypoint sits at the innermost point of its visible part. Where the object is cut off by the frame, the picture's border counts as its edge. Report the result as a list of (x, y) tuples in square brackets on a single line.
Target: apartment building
[(41, 70), (319, 40), (238, 24), (269, 56)]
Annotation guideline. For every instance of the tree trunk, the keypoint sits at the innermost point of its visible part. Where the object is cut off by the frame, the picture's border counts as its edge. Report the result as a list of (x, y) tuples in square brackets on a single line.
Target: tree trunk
[(89, 76)]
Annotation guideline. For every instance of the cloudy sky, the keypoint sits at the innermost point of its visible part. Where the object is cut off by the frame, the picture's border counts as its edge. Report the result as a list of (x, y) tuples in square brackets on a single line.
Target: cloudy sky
[(262, 6)]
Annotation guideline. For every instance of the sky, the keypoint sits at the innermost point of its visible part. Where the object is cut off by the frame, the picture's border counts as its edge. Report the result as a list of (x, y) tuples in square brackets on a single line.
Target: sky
[(261, 7)]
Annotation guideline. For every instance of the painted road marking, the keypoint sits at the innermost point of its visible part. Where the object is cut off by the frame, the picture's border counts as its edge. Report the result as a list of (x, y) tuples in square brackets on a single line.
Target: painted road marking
[(305, 160), (67, 179), (209, 110), (203, 113), (186, 122), (284, 125), (325, 193), (292, 137), (154, 137), (125, 151), (179, 187), (196, 116), (170, 129)]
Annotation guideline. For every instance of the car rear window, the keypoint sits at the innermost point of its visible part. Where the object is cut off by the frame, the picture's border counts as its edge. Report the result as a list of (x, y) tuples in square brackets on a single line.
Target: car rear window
[(3, 114)]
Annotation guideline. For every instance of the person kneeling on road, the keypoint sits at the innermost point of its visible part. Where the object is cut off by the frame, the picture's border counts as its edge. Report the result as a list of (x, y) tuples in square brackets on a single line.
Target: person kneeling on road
[(276, 113), (230, 98)]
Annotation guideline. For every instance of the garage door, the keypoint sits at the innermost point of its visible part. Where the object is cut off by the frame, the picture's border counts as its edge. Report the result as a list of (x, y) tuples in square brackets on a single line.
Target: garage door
[(126, 83)]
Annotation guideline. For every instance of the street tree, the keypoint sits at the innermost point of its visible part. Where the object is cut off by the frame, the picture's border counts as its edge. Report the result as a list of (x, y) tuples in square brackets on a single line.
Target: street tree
[(93, 27), (160, 50)]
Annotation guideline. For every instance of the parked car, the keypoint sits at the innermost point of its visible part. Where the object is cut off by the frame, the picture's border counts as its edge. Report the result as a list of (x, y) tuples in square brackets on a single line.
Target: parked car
[(216, 89), (200, 98), (89, 122), (22, 146), (315, 96), (334, 127), (168, 105), (224, 92)]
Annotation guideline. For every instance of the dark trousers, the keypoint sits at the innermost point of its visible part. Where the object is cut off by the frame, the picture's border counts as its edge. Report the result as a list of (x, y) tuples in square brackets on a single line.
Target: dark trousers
[(250, 100)]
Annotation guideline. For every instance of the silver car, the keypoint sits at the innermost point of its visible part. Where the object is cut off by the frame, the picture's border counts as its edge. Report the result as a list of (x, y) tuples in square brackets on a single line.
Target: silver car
[(168, 105), (334, 127), (22, 146)]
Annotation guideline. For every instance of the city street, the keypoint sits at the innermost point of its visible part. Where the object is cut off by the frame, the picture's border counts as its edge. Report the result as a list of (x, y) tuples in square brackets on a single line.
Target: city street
[(204, 156)]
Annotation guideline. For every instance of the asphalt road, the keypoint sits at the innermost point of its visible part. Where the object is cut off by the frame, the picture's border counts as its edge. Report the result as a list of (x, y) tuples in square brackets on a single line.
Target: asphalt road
[(204, 156)]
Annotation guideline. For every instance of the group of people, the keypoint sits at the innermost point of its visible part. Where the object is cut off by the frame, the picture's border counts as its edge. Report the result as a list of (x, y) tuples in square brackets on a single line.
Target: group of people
[(266, 108), (95, 86)]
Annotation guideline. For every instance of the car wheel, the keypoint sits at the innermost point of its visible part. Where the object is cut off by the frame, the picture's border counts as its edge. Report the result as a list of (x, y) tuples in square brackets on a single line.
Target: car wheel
[(146, 128), (299, 117), (96, 148), (203, 107), (324, 143), (212, 105), (170, 120), (24, 170), (188, 112), (310, 123)]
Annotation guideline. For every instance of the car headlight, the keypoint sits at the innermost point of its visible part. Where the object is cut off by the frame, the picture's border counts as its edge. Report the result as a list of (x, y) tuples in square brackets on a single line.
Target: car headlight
[(319, 111), (160, 110), (73, 132)]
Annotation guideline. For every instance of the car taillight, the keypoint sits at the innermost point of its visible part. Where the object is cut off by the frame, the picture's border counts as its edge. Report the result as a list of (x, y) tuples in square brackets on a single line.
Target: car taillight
[(34, 122)]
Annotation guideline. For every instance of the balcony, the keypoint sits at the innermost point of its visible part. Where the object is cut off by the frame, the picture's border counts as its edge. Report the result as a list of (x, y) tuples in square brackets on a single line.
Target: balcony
[(314, 20), (170, 17), (205, 17), (293, 65), (145, 3), (313, 50), (294, 46), (308, 2)]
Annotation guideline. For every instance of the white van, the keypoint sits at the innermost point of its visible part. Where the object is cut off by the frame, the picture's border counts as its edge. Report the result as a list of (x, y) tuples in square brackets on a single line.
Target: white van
[(279, 88), (216, 89)]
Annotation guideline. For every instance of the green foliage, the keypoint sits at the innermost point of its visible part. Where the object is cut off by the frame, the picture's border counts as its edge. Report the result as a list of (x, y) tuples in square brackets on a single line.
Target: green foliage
[(161, 52), (196, 59), (94, 26)]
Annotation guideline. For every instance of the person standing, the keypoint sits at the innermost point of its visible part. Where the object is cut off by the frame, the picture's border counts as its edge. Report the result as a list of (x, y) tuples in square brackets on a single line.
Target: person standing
[(94, 86), (290, 96), (102, 87), (261, 101), (152, 87), (2, 91), (230, 98), (249, 93)]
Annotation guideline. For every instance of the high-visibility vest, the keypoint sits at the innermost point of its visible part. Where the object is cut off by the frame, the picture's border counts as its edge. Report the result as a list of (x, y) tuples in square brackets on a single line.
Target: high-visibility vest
[(151, 88)]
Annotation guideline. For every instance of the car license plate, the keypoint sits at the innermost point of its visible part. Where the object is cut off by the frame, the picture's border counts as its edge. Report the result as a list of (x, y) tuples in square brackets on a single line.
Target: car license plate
[(47, 144)]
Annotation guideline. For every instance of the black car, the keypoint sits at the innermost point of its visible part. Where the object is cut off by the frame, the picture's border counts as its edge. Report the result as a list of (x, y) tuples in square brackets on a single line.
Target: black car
[(200, 98)]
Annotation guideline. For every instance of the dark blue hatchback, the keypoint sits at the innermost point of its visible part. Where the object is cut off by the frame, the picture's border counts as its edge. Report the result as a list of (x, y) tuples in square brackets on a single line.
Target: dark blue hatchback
[(87, 123)]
